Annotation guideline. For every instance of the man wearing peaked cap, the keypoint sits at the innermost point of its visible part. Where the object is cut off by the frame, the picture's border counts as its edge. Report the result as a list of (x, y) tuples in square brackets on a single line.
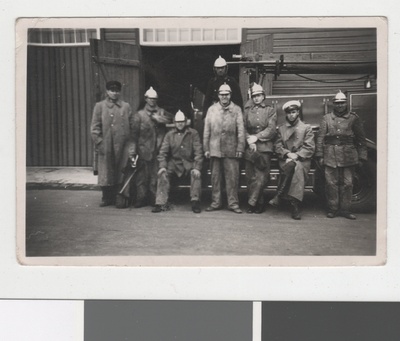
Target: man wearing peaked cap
[(181, 155), (111, 126), (260, 129), (288, 106), (149, 129), (224, 143), (114, 85), (220, 77), (341, 146), (295, 146)]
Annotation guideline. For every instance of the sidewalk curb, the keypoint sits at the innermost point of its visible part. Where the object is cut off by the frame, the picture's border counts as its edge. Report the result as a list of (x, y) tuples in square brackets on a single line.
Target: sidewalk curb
[(84, 187)]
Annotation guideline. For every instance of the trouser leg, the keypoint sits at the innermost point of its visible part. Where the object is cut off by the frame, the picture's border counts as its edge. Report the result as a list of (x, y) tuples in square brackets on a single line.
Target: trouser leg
[(346, 188), (231, 175), (252, 183), (195, 188), (142, 179), (216, 178), (332, 188), (163, 187), (152, 190)]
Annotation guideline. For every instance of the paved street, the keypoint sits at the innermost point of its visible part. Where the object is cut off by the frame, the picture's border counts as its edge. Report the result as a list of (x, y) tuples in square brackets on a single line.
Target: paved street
[(71, 223)]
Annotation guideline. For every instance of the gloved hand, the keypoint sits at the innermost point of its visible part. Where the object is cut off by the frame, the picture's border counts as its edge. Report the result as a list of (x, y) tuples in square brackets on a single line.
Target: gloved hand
[(253, 147), (161, 171), (321, 161), (207, 155), (252, 139), (196, 173), (239, 155), (292, 156)]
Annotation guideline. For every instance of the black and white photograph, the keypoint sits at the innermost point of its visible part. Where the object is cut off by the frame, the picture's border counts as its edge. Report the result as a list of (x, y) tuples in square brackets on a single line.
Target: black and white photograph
[(202, 141)]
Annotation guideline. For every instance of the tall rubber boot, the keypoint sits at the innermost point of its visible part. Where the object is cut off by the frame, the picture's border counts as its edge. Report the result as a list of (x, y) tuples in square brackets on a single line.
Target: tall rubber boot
[(107, 198), (295, 208), (276, 200)]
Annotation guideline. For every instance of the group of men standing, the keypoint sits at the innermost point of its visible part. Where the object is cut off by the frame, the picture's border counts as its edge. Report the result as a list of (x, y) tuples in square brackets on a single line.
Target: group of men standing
[(231, 132)]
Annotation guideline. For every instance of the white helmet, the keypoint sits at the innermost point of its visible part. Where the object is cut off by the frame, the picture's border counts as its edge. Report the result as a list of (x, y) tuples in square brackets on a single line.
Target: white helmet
[(257, 89), (224, 89), (291, 105), (180, 116), (340, 97), (220, 62), (151, 93)]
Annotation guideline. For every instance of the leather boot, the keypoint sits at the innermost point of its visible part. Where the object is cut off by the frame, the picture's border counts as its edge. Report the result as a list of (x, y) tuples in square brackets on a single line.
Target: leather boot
[(196, 208), (275, 201), (107, 198), (295, 209)]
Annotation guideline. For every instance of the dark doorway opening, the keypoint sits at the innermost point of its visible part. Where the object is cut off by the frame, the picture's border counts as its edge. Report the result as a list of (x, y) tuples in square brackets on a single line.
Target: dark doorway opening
[(175, 71)]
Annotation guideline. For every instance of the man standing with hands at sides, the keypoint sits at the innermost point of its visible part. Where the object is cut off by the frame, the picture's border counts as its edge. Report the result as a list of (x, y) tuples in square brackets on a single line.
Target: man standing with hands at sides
[(224, 142), (341, 146), (221, 77), (149, 129), (181, 155), (111, 133), (260, 127), (295, 146)]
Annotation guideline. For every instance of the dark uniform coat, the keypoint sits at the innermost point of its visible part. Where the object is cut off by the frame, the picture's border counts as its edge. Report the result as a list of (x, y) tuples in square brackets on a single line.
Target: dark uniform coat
[(348, 131), (149, 131), (181, 151), (298, 139), (260, 120), (211, 95), (111, 133)]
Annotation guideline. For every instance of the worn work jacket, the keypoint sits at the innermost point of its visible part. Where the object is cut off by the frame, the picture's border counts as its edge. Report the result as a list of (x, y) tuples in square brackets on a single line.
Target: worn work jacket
[(112, 135), (211, 95), (260, 120), (181, 151), (149, 130), (341, 140), (224, 131)]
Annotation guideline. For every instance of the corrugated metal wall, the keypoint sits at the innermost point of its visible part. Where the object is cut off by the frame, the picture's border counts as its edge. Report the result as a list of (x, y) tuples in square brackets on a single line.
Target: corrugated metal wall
[(311, 44), (59, 106)]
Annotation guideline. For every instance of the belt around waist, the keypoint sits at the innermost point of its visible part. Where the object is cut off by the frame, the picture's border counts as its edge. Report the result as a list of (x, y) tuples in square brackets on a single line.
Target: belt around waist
[(339, 140)]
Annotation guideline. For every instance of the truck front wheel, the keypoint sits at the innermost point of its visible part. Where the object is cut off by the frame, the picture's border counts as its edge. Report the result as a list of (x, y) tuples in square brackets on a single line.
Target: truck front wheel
[(364, 187)]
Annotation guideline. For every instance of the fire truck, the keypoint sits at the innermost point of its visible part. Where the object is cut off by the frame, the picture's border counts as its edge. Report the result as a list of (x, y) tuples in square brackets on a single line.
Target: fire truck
[(314, 106)]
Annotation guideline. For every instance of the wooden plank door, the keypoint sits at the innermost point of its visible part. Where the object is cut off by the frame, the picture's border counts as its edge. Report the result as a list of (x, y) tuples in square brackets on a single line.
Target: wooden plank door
[(258, 48), (117, 61)]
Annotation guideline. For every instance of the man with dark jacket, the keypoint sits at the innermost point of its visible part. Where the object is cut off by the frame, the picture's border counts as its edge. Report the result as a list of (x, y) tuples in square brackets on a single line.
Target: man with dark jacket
[(181, 155), (260, 128), (111, 126), (295, 146), (221, 77), (149, 129), (341, 146)]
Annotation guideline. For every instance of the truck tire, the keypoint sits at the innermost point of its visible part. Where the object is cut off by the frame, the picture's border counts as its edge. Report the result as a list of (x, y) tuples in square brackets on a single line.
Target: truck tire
[(364, 187)]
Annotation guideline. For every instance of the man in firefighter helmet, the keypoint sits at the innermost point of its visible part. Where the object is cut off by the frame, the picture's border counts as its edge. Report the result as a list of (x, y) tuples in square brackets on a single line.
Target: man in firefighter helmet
[(181, 155), (260, 128), (295, 146), (149, 129), (341, 146), (224, 143), (221, 77)]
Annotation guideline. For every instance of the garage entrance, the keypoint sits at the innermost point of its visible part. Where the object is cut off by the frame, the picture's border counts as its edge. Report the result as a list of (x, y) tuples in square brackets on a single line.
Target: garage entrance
[(174, 72)]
